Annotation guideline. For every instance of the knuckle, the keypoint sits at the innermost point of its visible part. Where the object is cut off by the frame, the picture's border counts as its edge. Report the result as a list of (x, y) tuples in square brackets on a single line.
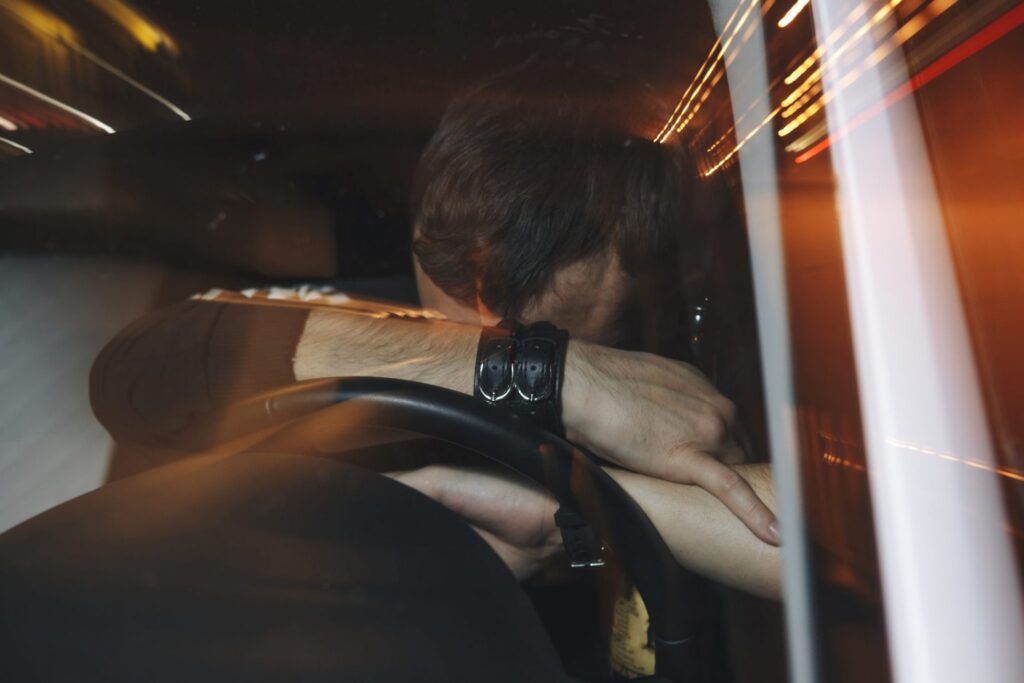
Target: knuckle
[(712, 425), (727, 480), (728, 410), (750, 507)]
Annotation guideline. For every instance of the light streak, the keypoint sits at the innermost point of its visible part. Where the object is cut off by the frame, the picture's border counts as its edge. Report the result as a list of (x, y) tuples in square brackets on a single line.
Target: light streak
[(14, 144), (7, 124), (832, 38), (809, 138), (800, 70), (901, 35), (796, 106), (57, 103), (49, 26), (703, 98), (147, 34), (815, 75), (742, 142), (1008, 472), (833, 459), (815, 78), (128, 79), (799, 120), (38, 20), (711, 53), (704, 72), (979, 41), (721, 55), (804, 87), (793, 13)]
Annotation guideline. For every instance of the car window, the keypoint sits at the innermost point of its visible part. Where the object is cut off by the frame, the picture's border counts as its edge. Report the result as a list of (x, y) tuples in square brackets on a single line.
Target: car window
[(772, 139)]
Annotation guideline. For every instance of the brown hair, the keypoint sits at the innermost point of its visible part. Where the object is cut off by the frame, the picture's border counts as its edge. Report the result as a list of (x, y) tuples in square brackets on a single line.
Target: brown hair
[(536, 170)]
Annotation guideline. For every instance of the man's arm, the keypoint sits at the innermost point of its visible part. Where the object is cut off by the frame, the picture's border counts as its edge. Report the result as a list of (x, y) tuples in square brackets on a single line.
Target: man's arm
[(649, 414), (516, 518), (704, 535), (337, 344), (165, 378)]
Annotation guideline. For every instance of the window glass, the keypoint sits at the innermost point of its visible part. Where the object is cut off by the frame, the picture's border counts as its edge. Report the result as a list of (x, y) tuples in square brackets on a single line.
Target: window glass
[(971, 117), (961, 61)]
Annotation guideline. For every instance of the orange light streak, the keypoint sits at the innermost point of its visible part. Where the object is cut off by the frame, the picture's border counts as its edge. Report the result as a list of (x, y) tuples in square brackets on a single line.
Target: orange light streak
[(1001, 471), (833, 459), (146, 33), (878, 17), (800, 120), (795, 107), (707, 60), (838, 33), (979, 41), (722, 54), (742, 142), (704, 72)]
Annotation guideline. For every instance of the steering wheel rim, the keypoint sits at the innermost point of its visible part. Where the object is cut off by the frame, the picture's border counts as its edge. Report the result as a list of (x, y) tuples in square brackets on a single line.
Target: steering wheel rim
[(569, 472)]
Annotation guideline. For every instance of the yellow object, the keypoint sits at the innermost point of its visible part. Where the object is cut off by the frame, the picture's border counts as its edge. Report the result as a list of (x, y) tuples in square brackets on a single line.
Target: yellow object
[(145, 32), (631, 652)]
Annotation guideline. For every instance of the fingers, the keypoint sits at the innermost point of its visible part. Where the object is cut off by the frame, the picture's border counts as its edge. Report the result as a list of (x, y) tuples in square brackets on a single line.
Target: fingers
[(516, 510), (732, 454), (735, 493)]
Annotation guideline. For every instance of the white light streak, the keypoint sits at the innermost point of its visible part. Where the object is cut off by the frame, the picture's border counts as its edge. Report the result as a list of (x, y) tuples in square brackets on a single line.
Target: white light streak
[(14, 144), (7, 124), (127, 79), (57, 103), (793, 13)]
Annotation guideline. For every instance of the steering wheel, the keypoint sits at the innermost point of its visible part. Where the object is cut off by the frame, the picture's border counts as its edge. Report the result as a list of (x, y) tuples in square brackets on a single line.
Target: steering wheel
[(309, 410), (152, 577)]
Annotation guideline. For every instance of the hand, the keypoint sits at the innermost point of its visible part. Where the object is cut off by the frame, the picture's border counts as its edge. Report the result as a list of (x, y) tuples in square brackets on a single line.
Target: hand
[(661, 418), (516, 518), (513, 515)]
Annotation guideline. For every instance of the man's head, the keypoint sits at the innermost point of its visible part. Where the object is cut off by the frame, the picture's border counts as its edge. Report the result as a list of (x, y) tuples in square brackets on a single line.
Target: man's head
[(541, 196)]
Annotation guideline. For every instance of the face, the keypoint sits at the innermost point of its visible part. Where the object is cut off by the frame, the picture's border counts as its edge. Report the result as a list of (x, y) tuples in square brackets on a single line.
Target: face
[(586, 298)]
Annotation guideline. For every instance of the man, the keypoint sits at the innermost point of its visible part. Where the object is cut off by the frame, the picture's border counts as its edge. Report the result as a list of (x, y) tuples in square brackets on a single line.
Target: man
[(535, 200)]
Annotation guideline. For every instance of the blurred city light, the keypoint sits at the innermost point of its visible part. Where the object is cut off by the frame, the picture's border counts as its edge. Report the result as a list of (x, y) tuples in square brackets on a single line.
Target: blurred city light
[(56, 103), (147, 34), (793, 13), (16, 145)]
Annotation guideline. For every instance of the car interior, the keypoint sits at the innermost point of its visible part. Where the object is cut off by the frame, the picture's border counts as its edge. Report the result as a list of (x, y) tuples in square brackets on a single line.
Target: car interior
[(178, 148)]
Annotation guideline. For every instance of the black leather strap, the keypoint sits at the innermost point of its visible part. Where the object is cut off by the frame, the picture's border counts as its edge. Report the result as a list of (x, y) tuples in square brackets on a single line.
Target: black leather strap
[(522, 368), (538, 375), (495, 355)]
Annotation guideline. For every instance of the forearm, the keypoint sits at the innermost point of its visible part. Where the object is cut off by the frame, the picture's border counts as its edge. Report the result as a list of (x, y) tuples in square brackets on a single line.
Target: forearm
[(336, 344), (704, 535)]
